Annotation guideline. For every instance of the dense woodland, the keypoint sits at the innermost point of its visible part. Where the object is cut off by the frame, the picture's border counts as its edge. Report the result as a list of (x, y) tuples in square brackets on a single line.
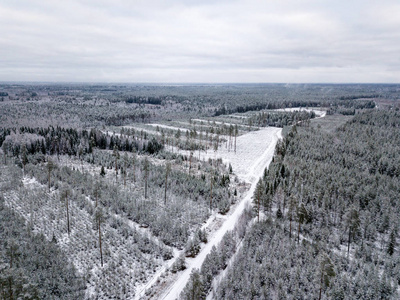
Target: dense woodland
[(83, 106), (102, 185), (329, 199)]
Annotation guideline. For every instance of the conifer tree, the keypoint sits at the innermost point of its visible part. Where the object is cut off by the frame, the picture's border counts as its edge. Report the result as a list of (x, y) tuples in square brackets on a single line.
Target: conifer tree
[(302, 215), (96, 192), (64, 197), (99, 219), (326, 272), (116, 155), (24, 157), (146, 175), (392, 243), (50, 167), (258, 195), (352, 223), (124, 170), (102, 171), (167, 170), (134, 164)]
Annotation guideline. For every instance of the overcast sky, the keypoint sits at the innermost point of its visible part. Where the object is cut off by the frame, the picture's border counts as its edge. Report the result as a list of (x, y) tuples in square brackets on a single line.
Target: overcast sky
[(200, 41)]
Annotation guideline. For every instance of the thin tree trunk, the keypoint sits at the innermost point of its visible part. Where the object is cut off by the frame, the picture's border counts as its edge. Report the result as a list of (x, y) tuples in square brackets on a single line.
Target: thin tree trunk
[(134, 170), (166, 183), (145, 183), (320, 288), (10, 282), (348, 243), (190, 161), (258, 212), (125, 175), (11, 257), (298, 234), (211, 182), (290, 226), (67, 215), (116, 170), (145, 188), (101, 252)]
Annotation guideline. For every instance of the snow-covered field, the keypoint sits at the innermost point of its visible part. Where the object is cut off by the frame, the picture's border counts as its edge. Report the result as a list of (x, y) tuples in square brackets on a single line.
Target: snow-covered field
[(254, 153), (250, 158), (318, 112)]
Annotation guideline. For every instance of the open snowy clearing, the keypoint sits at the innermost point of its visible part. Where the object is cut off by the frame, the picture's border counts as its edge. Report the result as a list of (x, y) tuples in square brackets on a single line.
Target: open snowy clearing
[(318, 112), (254, 153), (249, 159), (222, 123)]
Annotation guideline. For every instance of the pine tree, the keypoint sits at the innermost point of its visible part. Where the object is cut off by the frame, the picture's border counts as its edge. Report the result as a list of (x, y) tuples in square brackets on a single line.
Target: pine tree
[(258, 195), (326, 272), (211, 187), (302, 215), (167, 170), (64, 197), (24, 157), (146, 175), (99, 219), (134, 164), (292, 207), (392, 243), (352, 223), (194, 289), (96, 192), (116, 155), (50, 167), (124, 170), (102, 171)]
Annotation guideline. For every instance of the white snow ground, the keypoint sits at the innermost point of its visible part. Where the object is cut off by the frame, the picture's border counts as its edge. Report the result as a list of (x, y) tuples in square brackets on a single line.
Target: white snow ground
[(254, 153), (318, 112)]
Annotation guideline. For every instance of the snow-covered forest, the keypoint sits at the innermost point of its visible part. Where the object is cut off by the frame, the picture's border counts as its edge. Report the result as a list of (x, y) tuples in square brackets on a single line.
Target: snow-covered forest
[(195, 192)]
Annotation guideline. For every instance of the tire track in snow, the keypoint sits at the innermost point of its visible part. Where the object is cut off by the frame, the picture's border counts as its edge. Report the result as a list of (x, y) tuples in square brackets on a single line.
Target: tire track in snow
[(254, 172)]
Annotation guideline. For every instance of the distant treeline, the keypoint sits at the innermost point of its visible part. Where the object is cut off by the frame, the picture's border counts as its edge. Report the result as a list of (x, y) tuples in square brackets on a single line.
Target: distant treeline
[(346, 102), (260, 106), (144, 100), (58, 140)]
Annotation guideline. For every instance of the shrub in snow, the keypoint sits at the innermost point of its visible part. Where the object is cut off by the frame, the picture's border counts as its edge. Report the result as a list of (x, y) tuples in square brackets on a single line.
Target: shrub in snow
[(192, 247), (179, 264)]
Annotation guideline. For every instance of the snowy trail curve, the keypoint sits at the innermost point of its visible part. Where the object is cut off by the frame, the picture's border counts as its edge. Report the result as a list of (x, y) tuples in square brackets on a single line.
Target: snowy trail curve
[(261, 158)]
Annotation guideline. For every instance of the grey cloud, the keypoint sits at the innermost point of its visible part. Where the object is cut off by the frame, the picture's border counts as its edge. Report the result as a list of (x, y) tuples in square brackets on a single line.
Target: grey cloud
[(183, 41)]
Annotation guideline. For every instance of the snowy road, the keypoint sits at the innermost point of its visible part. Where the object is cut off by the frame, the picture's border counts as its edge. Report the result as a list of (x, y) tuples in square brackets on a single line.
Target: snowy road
[(254, 153)]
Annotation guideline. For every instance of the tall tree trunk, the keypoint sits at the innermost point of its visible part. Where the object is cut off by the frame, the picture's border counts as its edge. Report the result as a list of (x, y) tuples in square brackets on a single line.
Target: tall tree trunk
[(211, 183), (134, 170), (49, 180), (258, 211), (67, 214), (125, 174), (145, 183), (348, 243), (10, 282), (320, 288), (298, 234), (101, 252), (290, 226), (190, 161), (166, 183), (116, 169), (145, 187)]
